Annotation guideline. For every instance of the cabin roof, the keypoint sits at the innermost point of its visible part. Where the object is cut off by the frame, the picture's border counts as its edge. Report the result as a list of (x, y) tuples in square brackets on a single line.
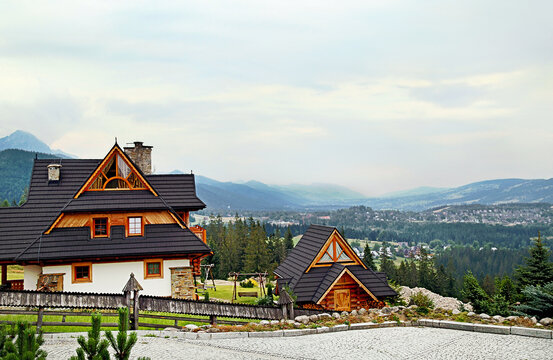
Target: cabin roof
[(21, 226), (310, 286)]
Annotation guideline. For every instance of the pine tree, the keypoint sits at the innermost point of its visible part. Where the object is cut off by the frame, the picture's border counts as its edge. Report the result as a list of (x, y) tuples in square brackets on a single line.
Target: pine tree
[(94, 348), (123, 344), (368, 257), (387, 266), (257, 255), (288, 240), (538, 269), (474, 293)]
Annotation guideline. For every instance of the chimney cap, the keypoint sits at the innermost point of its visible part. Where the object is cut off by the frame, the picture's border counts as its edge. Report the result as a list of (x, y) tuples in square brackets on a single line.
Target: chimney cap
[(138, 144), (54, 166)]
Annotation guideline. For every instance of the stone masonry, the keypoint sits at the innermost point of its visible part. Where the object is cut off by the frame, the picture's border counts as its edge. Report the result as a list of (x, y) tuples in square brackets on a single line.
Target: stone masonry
[(141, 155), (182, 283)]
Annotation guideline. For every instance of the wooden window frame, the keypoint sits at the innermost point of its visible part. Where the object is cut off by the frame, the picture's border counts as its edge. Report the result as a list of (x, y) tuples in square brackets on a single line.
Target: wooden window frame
[(153, 276), (129, 225), (74, 279), (94, 227)]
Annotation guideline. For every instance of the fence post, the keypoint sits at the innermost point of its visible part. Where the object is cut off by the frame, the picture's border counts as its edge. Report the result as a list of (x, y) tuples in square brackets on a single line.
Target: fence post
[(287, 304), (213, 320), (135, 287), (136, 310), (39, 319)]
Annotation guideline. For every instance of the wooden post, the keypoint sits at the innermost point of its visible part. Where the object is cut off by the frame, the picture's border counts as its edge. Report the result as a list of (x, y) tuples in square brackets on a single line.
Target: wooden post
[(291, 309), (39, 319), (4, 274), (285, 311), (213, 320), (136, 310)]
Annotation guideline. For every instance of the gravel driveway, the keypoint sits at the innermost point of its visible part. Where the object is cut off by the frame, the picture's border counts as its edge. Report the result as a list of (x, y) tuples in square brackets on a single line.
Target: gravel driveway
[(383, 343)]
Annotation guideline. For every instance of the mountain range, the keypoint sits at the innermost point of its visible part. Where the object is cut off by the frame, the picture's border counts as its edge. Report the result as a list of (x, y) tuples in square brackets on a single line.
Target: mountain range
[(15, 168)]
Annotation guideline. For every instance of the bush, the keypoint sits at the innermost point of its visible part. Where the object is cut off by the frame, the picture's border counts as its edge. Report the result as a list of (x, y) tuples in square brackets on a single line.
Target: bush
[(421, 300), (27, 343), (248, 283), (123, 344), (206, 296), (94, 348), (539, 301)]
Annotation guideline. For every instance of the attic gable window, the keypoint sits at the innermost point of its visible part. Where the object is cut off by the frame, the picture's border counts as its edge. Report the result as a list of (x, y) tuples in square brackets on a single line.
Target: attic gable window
[(334, 253), (116, 175)]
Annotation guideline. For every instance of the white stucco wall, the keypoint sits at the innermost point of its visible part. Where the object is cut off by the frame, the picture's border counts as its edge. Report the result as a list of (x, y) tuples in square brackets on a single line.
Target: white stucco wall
[(109, 277)]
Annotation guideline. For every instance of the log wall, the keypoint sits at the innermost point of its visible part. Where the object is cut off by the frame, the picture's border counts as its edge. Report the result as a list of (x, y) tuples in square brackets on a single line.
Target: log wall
[(358, 296)]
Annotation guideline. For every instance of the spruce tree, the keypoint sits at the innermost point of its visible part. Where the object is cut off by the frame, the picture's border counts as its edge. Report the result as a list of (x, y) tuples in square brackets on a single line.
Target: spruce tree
[(368, 257), (94, 348), (288, 240), (538, 269)]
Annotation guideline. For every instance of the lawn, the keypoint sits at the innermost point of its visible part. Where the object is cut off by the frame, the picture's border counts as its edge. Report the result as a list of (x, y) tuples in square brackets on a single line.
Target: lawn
[(224, 293), (15, 272)]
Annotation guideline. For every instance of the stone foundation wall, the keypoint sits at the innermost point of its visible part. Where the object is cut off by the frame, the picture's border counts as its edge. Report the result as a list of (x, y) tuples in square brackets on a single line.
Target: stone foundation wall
[(182, 283)]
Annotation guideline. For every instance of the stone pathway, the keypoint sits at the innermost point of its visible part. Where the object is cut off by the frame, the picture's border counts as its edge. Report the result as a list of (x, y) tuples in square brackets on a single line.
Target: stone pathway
[(383, 343)]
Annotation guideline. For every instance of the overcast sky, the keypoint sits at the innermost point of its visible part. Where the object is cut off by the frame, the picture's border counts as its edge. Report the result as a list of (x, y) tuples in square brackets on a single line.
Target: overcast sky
[(377, 96)]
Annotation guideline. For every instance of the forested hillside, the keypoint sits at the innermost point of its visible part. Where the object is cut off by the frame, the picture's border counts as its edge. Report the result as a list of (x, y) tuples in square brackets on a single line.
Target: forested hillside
[(15, 170)]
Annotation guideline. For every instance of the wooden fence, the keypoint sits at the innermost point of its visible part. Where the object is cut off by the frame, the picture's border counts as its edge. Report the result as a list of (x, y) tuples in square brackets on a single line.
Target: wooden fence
[(72, 300)]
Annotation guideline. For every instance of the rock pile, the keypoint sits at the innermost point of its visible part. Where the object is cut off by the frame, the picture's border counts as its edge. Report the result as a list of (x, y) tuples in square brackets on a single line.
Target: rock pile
[(440, 302)]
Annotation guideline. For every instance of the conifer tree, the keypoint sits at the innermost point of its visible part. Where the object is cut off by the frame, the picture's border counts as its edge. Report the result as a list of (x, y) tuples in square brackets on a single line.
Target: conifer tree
[(368, 257), (538, 269), (93, 348), (123, 343), (288, 240), (257, 255)]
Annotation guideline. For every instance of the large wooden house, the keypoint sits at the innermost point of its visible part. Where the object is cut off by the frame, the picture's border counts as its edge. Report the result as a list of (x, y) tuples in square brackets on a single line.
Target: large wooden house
[(88, 224), (323, 270)]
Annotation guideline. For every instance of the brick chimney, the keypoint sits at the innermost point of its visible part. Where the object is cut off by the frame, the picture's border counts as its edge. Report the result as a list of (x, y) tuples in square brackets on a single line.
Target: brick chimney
[(141, 155)]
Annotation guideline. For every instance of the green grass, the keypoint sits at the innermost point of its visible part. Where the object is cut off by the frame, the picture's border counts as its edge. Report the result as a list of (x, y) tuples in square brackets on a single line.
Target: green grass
[(109, 319), (15, 272), (224, 292)]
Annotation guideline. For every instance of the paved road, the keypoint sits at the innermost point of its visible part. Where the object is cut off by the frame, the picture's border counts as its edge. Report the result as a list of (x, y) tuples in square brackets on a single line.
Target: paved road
[(383, 343)]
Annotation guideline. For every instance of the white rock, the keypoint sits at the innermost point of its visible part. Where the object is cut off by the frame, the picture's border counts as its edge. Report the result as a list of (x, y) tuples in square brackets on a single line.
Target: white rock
[(170, 329), (446, 303), (264, 322), (546, 321), (344, 313), (455, 311), (290, 322), (314, 318), (498, 318), (539, 325), (302, 319), (412, 307), (362, 311), (354, 313), (470, 313), (297, 324), (336, 315), (386, 310), (484, 316), (191, 327), (325, 316), (275, 322), (511, 318), (534, 320)]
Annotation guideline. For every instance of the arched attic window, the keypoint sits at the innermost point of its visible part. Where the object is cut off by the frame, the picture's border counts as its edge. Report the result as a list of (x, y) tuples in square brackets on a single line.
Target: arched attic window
[(117, 175)]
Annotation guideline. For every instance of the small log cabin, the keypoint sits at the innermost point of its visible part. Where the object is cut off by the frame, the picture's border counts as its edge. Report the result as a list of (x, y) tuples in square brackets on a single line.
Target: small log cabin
[(323, 270), (88, 224)]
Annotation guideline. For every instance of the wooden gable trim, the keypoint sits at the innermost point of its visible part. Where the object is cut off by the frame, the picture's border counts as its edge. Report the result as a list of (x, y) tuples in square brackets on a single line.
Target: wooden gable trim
[(54, 224), (338, 279), (345, 247), (100, 167)]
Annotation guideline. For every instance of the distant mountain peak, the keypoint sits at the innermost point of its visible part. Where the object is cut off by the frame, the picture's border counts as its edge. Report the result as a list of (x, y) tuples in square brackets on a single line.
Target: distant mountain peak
[(23, 140)]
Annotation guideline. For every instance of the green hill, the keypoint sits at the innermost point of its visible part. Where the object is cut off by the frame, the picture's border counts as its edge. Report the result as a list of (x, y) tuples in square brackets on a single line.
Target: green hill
[(15, 172)]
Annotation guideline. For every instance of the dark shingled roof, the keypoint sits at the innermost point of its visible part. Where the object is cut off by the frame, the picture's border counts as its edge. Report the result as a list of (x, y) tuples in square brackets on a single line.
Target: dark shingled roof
[(178, 190), (303, 253), (21, 226), (75, 243), (309, 287)]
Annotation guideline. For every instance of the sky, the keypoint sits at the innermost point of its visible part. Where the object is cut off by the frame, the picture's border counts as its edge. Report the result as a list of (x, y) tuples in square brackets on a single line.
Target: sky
[(377, 96)]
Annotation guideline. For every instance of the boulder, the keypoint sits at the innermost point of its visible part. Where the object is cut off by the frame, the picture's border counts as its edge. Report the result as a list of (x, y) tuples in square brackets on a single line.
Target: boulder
[(354, 313), (446, 303), (484, 316), (290, 322), (412, 307), (213, 330), (314, 318), (206, 326), (395, 309), (470, 313), (511, 318), (336, 315), (546, 321), (297, 324), (362, 311), (539, 325), (275, 322), (386, 310), (302, 319), (344, 313), (170, 329), (325, 316), (498, 318), (534, 320), (455, 311), (191, 327), (264, 322)]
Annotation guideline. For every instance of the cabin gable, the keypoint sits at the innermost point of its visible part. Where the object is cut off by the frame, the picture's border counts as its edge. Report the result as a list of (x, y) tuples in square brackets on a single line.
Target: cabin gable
[(336, 250), (346, 293)]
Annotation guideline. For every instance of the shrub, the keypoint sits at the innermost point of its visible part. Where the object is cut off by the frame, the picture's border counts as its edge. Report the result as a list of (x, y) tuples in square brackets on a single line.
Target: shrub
[(27, 343), (123, 344), (421, 300), (249, 283), (94, 348), (206, 296), (539, 301)]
